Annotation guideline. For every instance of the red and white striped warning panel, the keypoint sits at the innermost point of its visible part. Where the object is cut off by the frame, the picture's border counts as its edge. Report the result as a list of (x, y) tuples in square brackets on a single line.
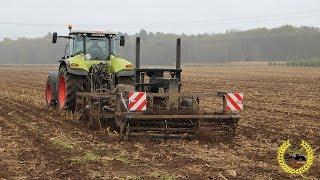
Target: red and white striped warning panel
[(234, 101), (137, 101)]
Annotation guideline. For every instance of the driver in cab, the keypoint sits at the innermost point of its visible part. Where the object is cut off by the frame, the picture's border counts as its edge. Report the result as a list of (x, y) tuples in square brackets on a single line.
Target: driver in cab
[(95, 50)]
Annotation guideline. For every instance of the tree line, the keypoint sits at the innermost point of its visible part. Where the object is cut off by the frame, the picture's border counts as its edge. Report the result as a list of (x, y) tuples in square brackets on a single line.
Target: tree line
[(285, 43)]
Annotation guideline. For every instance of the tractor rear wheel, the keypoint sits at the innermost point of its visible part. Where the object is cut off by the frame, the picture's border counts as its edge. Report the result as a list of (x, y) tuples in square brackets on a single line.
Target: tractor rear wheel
[(68, 86)]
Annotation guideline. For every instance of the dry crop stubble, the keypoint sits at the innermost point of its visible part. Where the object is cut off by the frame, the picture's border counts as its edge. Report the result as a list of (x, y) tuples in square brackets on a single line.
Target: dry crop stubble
[(280, 103)]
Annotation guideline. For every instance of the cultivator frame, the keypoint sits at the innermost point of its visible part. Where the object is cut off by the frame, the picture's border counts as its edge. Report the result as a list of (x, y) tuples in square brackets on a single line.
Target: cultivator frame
[(169, 111), (99, 109)]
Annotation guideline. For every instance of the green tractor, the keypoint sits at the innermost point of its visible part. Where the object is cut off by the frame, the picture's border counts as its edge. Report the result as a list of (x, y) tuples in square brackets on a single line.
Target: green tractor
[(107, 91), (84, 50)]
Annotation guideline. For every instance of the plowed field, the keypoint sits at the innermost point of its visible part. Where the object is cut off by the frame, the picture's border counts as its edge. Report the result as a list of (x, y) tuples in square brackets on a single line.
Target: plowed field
[(280, 103)]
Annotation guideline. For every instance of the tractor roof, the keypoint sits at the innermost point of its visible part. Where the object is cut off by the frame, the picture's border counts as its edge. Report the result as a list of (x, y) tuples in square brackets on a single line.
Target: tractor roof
[(99, 33)]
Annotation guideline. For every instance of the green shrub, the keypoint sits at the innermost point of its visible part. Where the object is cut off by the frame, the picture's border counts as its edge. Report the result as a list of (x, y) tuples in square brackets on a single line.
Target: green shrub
[(313, 62)]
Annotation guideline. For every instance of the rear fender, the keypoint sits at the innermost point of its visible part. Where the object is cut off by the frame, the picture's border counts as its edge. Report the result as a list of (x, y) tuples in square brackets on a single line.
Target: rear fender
[(78, 71)]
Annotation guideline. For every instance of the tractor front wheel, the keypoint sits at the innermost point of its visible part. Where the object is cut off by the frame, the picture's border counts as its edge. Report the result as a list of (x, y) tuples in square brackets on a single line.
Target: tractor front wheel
[(50, 91), (49, 94), (68, 86)]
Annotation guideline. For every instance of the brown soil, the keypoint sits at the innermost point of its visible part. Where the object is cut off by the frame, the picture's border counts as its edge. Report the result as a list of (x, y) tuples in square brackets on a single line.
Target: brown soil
[(280, 103)]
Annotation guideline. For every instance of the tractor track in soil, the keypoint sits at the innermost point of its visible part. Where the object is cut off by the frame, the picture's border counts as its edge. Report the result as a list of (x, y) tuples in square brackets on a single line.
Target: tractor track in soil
[(39, 139), (271, 116)]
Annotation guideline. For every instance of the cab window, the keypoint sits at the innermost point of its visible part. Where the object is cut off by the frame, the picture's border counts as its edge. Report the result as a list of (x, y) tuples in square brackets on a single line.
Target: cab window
[(78, 45), (97, 47)]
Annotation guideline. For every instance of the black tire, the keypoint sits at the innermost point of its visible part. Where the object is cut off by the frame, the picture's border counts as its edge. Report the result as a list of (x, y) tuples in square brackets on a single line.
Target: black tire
[(68, 85), (51, 91)]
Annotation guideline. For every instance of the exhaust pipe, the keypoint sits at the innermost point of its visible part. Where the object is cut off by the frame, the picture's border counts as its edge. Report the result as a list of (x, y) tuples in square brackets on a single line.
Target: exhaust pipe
[(178, 54), (137, 73), (137, 52)]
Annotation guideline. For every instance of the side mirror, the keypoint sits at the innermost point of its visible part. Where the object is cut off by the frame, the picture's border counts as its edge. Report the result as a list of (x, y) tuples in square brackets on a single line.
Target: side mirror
[(54, 37), (122, 40)]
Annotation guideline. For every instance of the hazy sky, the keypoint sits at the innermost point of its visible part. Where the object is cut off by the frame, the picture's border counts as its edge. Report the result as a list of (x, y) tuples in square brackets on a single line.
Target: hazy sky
[(32, 18)]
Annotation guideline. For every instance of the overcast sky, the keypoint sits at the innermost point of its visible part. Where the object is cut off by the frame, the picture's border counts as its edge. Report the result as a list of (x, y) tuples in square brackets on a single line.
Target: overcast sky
[(33, 18)]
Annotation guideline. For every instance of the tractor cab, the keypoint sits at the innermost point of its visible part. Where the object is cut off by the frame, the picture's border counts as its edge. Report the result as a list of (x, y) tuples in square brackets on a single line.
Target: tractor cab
[(85, 49), (94, 45)]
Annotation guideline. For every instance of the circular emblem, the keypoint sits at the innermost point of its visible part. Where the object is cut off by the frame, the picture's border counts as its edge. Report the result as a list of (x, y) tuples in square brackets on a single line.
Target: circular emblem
[(295, 160), (88, 56)]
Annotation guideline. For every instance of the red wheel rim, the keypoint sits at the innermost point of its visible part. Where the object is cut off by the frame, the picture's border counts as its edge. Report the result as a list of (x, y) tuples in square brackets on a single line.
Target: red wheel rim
[(48, 93), (62, 91)]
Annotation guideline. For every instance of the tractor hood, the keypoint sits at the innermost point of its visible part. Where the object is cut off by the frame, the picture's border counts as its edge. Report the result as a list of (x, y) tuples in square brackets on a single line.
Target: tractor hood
[(118, 64), (79, 62), (115, 64)]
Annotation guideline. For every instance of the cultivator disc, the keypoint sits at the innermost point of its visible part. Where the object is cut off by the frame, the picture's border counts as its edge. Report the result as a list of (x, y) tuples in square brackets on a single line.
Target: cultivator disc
[(181, 125), (111, 110), (163, 127)]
